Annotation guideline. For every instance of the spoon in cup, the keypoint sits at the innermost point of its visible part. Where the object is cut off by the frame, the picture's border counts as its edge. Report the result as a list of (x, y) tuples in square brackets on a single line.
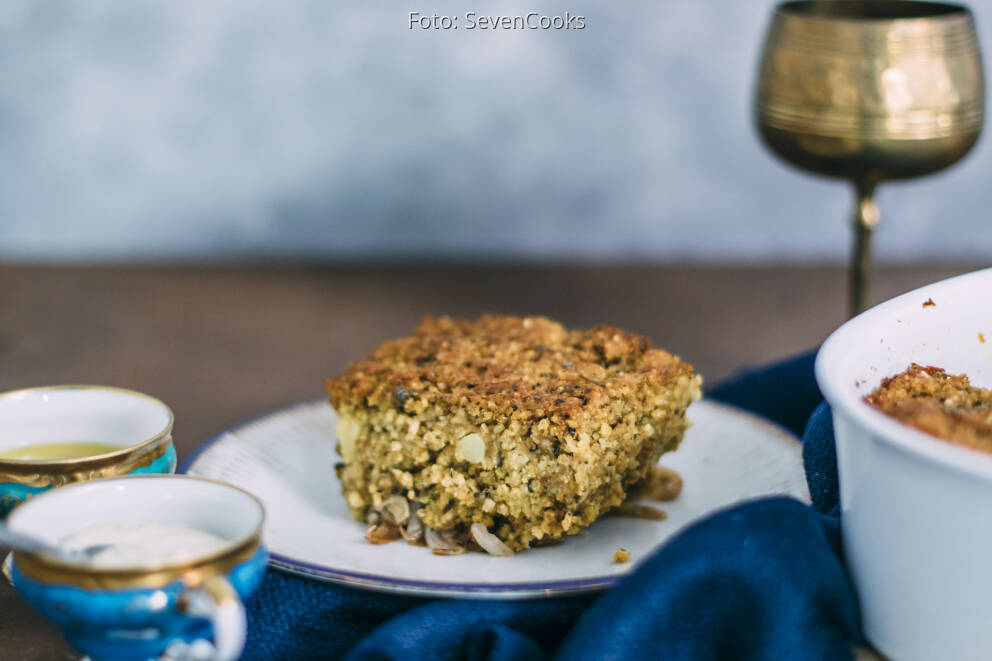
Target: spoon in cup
[(18, 541)]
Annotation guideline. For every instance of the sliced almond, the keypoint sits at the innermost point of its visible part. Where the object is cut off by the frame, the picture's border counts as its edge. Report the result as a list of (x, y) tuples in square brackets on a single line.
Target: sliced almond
[(396, 510), (413, 531), (347, 431), (442, 542), (382, 533), (489, 542)]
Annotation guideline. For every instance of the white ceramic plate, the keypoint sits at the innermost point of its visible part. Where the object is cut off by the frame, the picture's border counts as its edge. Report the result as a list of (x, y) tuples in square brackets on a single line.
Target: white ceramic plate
[(287, 459)]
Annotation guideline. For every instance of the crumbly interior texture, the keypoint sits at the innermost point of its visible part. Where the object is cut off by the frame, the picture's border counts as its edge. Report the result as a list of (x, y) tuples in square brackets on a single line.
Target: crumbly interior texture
[(944, 405), (517, 423)]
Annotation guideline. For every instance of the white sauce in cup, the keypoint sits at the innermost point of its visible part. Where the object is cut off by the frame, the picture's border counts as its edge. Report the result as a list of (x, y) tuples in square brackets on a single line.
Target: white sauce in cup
[(131, 544)]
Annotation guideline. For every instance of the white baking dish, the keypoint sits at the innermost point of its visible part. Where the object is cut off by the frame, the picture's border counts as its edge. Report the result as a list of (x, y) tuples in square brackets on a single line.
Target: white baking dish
[(916, 512)]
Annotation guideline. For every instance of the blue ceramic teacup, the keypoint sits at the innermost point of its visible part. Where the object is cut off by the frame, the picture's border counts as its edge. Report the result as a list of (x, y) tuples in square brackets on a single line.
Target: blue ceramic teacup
[(165, 604), (57, 435)]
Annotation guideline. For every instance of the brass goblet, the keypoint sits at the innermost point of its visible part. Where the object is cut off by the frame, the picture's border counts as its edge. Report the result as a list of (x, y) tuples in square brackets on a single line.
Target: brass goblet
[(870, 90)]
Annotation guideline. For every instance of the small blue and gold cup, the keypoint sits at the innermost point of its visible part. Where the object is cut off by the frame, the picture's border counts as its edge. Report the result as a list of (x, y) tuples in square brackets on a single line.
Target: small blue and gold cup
[(57, 435), (168, 605)]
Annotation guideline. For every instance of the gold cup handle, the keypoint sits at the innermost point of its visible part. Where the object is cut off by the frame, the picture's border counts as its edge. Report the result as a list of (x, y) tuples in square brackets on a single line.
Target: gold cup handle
[(215, 599), (865, 219)]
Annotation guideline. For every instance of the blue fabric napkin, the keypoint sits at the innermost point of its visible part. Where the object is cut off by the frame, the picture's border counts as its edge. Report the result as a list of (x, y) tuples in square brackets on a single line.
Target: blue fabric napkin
[(764, 580)]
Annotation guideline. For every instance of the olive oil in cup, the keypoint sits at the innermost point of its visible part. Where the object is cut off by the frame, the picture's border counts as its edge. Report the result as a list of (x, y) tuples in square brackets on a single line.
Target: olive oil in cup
[(54, 451), (57, 435)]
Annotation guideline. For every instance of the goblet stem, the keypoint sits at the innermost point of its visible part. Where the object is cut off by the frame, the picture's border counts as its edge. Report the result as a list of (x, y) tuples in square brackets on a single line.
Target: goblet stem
[(865, 220)]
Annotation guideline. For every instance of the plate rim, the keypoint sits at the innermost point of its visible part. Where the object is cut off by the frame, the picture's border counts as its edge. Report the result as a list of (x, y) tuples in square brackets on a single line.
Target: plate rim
[(418, 588)]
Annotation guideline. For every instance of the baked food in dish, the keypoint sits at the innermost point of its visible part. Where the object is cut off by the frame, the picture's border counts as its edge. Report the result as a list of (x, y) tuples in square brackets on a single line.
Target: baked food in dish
[(503, 432), (944, 405)]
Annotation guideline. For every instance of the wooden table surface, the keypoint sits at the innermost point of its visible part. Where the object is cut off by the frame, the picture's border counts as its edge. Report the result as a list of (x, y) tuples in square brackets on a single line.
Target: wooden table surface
[(222, 344)]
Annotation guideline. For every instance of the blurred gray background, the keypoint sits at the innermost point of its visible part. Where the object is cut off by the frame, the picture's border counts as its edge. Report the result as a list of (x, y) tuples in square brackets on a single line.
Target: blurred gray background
[(329, 130)]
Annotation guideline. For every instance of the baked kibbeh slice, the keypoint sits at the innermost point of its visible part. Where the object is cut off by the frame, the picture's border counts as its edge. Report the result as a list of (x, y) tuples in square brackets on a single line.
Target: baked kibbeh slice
[(503, 432)]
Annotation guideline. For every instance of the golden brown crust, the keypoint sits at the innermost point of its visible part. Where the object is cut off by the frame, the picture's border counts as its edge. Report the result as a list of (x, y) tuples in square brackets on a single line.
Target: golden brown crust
[(532, 365), (944, 405)]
